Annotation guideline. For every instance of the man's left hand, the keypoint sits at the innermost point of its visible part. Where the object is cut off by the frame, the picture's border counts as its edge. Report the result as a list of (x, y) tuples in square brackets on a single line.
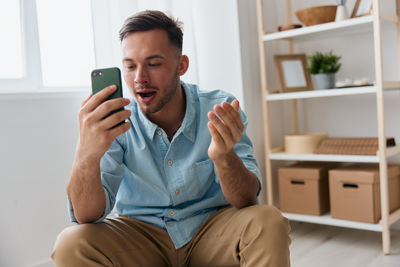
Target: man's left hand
[(226, 129)]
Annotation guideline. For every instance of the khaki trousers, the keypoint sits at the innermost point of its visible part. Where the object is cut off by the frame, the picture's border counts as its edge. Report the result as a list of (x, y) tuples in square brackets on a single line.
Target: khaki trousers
[(253, 236)]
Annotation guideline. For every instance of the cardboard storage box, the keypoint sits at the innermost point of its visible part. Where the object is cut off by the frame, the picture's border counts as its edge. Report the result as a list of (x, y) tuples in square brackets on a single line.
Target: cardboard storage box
[(303, 188), (355, 192)]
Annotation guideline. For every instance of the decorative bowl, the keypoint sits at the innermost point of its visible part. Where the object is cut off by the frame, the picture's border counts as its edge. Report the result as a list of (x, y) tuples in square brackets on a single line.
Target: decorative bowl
[(316, 15)]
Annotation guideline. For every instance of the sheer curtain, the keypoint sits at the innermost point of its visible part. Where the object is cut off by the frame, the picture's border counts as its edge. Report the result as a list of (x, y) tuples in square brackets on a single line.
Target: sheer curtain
[(211, 38), (108, 17)]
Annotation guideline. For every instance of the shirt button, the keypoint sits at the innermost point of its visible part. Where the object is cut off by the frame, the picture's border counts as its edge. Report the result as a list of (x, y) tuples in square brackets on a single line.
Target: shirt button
[(177, 192), (159, 132), (172, 213), (169, 162), (171, 223)]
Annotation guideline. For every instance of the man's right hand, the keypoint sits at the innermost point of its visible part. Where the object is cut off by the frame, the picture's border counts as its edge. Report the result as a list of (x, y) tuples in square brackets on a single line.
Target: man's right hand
[(96, 132)]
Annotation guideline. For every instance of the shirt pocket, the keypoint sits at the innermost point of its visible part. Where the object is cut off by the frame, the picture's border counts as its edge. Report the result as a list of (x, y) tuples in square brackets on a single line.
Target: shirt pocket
[(199, 180)]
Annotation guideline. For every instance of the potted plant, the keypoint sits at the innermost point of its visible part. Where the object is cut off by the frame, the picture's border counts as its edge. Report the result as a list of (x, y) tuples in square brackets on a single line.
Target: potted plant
[(323, 68)]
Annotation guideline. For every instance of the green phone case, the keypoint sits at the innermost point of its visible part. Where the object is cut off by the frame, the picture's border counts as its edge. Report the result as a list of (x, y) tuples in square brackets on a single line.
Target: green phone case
[(101, 78)]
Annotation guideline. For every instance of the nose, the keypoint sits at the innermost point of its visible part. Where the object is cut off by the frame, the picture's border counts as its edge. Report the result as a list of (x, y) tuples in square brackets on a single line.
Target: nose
[(141, 76)]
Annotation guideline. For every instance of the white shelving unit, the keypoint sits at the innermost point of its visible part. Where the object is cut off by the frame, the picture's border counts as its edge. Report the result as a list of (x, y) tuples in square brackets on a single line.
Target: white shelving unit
[(322, 93), (318, 31), (372, 25), (328, 220)]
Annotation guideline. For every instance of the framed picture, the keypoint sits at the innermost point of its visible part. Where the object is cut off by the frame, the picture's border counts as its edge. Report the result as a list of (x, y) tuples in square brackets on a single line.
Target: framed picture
[(292, 73), (362, 8)]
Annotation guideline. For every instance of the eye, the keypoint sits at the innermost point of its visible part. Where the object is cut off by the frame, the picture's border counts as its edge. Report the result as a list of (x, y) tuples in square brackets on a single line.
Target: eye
[(130, 67), (154, 64)]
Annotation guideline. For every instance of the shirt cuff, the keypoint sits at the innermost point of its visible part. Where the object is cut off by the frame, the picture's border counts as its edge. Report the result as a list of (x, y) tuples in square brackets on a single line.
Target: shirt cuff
[(256, 171), (107, 210)]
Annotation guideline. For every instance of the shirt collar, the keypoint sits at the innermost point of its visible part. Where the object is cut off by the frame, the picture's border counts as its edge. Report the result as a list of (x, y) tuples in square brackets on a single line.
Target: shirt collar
[(149, 127), (188, 127)]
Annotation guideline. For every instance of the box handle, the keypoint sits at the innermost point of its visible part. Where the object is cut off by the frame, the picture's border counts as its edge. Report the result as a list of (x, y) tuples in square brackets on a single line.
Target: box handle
[(350, 185), (297, 182)]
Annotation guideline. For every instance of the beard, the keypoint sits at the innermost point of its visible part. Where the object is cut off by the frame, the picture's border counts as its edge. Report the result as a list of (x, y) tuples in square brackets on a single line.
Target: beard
[(169, 91)]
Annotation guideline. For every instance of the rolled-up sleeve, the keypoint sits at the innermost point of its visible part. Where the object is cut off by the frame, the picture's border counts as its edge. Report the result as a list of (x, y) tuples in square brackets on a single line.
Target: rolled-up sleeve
[(244, 150), (112, 171)]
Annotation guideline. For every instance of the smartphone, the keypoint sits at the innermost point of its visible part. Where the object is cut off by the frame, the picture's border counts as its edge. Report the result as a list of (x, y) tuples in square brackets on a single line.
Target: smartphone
[(101, 78)]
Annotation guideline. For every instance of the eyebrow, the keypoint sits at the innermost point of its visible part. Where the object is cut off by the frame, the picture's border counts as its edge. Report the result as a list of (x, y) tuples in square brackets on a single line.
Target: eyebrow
[(147, 58)]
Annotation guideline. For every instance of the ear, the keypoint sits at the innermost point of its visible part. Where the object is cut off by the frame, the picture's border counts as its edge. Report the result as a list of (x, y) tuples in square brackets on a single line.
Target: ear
[(183, 65)]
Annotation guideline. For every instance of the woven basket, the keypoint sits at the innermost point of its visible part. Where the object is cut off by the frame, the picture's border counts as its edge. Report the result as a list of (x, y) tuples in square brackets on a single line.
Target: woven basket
[(352, 146), (316, 15)]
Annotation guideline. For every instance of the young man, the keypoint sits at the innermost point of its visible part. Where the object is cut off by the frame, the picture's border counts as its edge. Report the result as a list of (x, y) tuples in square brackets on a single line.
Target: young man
[(180, 171)]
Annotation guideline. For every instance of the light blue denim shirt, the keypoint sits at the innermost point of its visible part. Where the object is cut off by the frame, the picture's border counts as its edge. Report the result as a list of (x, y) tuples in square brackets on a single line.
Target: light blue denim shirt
[(172, 185)]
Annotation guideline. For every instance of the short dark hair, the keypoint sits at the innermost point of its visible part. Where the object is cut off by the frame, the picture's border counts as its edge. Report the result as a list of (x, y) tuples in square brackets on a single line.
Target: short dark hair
[(151, 20)]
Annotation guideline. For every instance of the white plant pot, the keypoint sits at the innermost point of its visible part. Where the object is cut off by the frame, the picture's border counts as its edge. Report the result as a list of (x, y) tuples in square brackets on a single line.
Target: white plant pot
[(324, 81)]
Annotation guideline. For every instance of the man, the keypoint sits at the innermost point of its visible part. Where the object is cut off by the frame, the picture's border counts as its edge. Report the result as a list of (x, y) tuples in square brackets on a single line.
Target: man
[(180, 171)]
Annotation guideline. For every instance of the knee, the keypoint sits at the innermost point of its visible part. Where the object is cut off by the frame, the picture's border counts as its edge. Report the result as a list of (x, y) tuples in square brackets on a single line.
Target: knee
[(268, 218), (71, 241)]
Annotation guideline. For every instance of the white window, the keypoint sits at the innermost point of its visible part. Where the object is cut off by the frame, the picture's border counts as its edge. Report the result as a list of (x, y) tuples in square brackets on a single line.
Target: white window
[(66, 42), (47, 45), (11, 58), (52, 45)]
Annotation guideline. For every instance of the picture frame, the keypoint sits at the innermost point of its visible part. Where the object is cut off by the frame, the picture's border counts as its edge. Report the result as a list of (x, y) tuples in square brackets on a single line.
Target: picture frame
[(292, 72), (362, 8)]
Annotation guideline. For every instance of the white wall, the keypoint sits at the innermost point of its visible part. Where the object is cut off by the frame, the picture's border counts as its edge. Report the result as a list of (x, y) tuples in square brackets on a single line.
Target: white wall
[(37, 141)]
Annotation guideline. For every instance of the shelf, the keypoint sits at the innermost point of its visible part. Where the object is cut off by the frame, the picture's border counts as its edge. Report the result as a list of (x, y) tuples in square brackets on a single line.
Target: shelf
[(392, 151), (372, 26), (328, 29), (394, 217), (326, 219), (322, 93), (391, 84), (324, 157)]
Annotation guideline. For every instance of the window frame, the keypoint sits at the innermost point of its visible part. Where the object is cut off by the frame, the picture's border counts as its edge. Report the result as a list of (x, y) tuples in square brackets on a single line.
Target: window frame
[(32, 81)]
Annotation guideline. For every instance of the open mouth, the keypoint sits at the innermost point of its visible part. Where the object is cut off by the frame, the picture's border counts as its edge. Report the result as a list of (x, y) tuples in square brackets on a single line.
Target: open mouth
[(146, 97)]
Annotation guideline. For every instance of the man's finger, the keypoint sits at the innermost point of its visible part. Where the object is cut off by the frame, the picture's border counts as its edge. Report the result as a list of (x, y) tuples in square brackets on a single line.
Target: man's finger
[(110, 105), (114, 119), (224, 114), (237, 123), (235, 104), (117, 131), (86, 100), (221, 128), (98, 98), (218, 140)]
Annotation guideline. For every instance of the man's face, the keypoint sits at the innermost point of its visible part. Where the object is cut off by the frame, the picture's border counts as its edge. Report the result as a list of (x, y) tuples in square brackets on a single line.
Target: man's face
[(151, 68)]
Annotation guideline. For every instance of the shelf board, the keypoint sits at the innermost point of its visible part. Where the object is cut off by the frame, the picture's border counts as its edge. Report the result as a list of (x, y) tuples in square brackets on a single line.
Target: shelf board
[(324, 157), (341, 27), (392, 151), (326, 219), (322, 93), (394, 216)]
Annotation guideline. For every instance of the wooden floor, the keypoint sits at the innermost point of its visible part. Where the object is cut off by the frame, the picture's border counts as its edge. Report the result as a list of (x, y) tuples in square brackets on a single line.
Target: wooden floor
[(328, 246)]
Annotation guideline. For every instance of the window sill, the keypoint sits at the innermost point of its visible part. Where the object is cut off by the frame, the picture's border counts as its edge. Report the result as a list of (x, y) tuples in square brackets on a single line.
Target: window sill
[(60, 92)]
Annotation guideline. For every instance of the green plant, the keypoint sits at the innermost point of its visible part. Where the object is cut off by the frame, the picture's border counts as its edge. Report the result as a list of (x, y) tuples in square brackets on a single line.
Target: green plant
[(323, 63)]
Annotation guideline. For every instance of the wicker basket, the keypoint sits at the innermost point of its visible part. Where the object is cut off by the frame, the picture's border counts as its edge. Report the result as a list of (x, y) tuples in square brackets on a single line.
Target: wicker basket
[(316, 15), (352, 146)]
